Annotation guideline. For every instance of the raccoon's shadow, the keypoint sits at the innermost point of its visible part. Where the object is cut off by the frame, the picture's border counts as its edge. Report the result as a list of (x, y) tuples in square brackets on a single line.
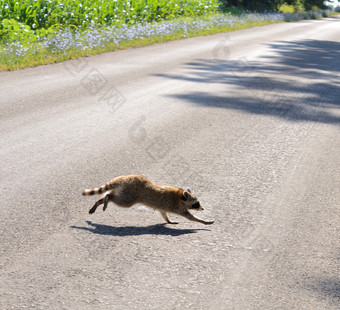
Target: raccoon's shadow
[(158, 229)]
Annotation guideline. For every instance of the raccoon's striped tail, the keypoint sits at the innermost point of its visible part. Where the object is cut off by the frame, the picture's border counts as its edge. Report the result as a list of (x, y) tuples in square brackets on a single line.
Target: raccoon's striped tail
[(97, 191)]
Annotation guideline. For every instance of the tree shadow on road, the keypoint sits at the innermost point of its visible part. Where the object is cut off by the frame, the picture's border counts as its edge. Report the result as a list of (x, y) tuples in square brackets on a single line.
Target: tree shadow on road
[(297, 81), (159, 229)]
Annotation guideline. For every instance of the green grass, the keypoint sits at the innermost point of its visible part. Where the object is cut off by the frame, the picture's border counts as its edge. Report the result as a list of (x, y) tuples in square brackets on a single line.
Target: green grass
[(68, 44)]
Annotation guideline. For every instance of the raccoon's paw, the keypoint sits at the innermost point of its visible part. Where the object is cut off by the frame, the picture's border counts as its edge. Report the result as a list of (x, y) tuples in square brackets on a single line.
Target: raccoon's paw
[(92, 210), (175, 223), (208, 222)]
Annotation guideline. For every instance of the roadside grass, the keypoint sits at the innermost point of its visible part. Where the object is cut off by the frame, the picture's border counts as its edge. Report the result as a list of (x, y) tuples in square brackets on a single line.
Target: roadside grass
[(71, 42)]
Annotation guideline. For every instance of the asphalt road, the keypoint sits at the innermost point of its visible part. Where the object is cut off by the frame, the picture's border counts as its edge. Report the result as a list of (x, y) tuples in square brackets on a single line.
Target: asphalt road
[(248, 120)]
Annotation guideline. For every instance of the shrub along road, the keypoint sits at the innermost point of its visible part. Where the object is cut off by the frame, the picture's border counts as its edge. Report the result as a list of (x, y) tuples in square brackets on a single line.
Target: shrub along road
[(248, 120)]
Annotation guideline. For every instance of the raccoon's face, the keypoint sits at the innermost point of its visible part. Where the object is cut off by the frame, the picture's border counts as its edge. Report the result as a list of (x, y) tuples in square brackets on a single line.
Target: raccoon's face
[(190, 201)]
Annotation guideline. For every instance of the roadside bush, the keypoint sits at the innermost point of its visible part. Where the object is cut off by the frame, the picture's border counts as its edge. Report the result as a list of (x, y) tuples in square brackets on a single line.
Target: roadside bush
[(234, 10), (286, 8), (14, 31)]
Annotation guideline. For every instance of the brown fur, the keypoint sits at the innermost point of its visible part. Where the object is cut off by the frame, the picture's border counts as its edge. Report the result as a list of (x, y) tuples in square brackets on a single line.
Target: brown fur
[(125, 191)]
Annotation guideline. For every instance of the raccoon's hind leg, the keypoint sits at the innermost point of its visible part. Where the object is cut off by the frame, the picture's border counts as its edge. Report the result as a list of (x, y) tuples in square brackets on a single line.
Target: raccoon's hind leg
[(96, 205), (165, 216), (190, 217), (107, 198)]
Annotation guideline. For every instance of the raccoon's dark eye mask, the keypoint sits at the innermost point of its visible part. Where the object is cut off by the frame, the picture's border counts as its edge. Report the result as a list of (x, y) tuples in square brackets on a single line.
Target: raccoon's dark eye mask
[(196, 205)]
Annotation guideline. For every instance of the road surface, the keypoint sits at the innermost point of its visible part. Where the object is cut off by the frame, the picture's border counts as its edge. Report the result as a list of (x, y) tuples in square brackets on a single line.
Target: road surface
[(248, 120)]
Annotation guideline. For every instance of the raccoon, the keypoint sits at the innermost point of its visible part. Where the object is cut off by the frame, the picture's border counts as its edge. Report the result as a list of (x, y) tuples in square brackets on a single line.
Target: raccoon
[(125, 191)]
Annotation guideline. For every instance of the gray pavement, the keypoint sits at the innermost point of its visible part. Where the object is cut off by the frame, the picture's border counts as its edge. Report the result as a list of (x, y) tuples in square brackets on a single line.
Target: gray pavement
[(248, 120)]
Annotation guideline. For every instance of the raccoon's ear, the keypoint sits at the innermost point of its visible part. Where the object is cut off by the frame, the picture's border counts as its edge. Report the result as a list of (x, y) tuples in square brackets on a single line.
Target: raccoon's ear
[(188, 190), (186, 195)]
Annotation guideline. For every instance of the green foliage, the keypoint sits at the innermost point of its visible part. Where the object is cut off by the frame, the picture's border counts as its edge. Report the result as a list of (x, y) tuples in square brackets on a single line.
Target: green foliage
[(255, 5), (12, 30), (234, 10), (313, 4), (286, 8), (83, 13), (273, 5), (296, 7), (299, 6)]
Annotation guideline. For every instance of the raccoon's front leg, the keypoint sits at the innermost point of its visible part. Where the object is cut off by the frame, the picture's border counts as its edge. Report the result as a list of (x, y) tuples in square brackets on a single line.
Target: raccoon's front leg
[(190, 217), (165, 216), (96, 205)]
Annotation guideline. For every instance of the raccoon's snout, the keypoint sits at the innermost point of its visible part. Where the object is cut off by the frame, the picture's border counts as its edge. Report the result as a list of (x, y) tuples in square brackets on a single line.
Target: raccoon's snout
[(197, 206)]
